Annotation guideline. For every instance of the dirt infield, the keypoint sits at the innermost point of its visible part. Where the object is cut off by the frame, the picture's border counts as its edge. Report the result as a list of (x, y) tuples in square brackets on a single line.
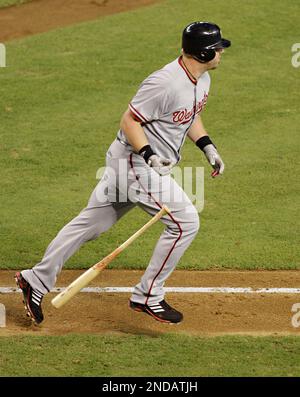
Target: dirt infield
[(40, 16), (204, 314)]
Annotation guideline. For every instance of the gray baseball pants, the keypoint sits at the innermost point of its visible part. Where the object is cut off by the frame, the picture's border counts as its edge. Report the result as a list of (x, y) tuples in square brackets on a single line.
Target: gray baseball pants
[(127, 181)]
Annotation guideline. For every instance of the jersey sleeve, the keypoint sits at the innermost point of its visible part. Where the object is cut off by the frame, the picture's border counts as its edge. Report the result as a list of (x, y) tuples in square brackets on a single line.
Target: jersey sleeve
[(151, 99)]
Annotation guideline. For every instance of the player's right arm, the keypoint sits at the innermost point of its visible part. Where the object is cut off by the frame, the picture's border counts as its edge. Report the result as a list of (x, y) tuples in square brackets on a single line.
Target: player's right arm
[(133, 130), (135, 135)]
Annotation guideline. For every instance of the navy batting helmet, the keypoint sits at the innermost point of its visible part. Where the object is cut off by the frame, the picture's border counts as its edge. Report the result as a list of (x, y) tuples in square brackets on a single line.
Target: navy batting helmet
[(201, 39)]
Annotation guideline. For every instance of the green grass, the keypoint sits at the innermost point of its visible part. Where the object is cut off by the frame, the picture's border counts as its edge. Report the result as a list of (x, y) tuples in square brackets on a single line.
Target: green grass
[(62, 96), (61, 99), (7, 3), (168, 355)]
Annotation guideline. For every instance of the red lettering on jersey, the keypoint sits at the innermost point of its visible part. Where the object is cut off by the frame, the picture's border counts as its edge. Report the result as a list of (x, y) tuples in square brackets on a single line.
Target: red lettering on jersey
[(184, 116)]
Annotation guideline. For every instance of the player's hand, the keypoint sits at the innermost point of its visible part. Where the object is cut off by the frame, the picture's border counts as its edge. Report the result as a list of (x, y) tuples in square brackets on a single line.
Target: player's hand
[(214, 160), (159, 164)]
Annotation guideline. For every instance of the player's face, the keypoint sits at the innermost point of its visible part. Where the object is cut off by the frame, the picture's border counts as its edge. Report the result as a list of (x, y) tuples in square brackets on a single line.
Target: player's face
[(214, 63)]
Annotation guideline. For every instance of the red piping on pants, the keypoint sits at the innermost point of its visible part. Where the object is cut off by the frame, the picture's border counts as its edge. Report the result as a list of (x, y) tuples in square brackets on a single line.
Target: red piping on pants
[(170, 215)]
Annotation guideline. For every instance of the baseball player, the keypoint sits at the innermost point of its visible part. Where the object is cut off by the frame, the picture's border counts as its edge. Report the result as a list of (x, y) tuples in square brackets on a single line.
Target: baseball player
[(165, 110)]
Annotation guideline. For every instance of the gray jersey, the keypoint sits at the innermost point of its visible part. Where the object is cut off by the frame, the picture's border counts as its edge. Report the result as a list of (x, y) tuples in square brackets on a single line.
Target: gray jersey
[(166, 105)]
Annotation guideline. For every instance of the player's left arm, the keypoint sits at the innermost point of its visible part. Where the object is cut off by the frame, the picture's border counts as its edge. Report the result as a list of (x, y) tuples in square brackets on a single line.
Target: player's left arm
[(199, 136), (197, 129)]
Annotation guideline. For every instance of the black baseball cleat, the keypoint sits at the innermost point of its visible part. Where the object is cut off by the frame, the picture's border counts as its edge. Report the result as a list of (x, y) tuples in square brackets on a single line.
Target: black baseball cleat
[(32, 299), (160, 311)]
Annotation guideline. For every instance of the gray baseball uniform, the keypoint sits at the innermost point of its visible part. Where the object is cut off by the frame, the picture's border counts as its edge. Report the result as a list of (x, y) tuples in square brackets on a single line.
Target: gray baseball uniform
[(166, 104)]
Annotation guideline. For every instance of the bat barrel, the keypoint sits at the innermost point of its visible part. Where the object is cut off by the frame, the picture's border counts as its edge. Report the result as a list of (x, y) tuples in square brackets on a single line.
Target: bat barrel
[(75, 287)]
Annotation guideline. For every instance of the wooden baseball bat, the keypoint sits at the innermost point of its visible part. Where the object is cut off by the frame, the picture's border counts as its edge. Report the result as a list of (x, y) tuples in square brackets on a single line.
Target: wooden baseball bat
[(92, 272)]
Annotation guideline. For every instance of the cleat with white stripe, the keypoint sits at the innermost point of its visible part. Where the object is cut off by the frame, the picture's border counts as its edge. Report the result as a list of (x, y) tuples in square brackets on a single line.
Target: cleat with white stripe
[(32, 299), (160, 311)]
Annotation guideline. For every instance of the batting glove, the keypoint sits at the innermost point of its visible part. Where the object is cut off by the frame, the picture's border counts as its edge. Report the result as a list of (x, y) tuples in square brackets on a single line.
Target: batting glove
[(159, 164), (212, 155), (214, 159)]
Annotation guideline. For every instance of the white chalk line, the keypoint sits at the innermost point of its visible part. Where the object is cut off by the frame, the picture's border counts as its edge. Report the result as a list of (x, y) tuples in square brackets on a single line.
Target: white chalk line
[(184, 290)]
